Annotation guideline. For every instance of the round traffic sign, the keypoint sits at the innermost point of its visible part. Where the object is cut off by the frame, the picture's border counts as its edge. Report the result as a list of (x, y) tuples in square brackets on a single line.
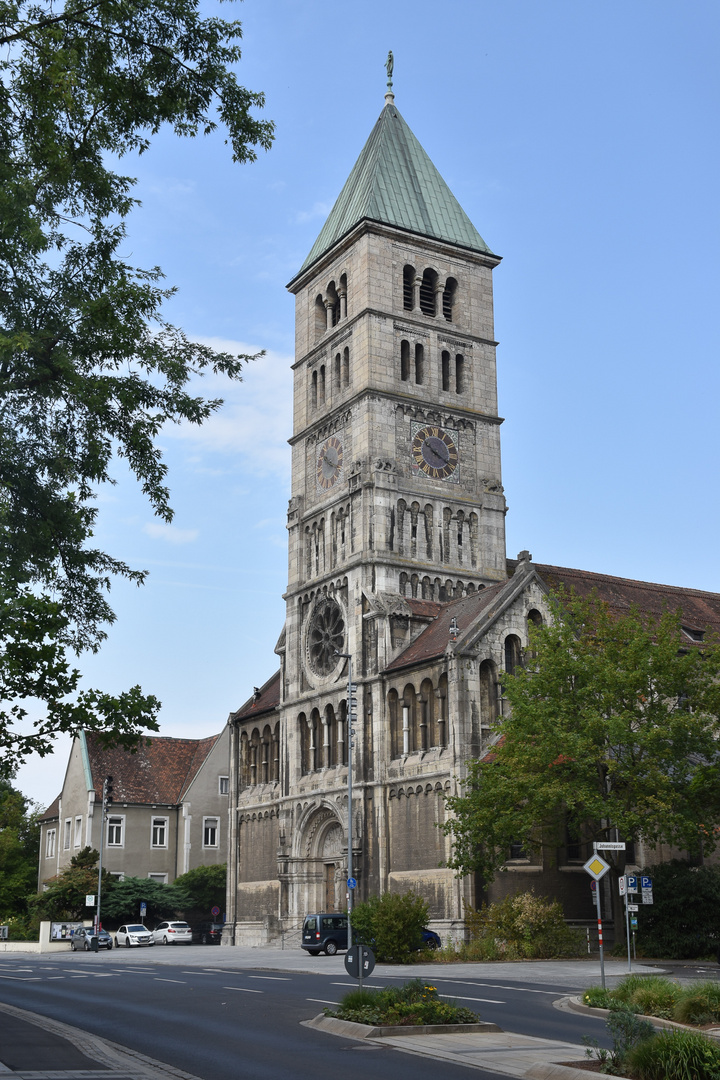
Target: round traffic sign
[(352, 883), (359, 961), (215, 911)]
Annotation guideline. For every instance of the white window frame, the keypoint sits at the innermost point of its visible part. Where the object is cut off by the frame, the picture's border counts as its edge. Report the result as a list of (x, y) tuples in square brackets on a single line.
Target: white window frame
[(50, 839), (118, 874), (161, 822), (206, 825), (112, 822), (77, 839), (162, 879), (223, 785), (67, 833)]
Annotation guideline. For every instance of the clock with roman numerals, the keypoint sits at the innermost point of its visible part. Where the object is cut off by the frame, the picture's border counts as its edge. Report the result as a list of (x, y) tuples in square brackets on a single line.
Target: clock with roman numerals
[(329, 463), (434, 452)]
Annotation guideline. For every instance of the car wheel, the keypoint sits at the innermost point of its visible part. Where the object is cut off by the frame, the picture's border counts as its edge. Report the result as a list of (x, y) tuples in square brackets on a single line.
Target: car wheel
[(204, 939), (165, 940), (109, 946), (313, 952), (331, 948), (116, 943), (86, 946), (127, 942), (72, 946)]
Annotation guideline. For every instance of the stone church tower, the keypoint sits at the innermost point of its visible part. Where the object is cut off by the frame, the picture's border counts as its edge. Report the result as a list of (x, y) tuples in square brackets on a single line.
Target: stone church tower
[(396, 557)]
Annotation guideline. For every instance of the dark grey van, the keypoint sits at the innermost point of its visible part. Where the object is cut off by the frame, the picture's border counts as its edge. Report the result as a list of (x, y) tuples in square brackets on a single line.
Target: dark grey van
[(325, 932)]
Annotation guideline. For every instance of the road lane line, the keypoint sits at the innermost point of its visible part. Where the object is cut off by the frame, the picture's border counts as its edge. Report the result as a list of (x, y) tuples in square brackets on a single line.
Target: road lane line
[(323, 1001), (180, 982), (270, 978), (245, 989), (488, 1001)]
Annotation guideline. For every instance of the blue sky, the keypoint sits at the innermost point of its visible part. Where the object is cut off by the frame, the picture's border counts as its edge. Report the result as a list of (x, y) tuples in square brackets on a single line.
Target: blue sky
[(582, 141)]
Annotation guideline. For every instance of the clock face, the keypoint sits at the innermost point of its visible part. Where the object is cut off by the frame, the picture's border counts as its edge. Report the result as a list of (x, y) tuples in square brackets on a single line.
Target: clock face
[(329, 462), (434, 452)]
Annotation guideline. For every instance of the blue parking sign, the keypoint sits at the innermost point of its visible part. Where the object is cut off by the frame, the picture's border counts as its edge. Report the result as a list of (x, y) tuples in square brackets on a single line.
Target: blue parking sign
[(646, 882)]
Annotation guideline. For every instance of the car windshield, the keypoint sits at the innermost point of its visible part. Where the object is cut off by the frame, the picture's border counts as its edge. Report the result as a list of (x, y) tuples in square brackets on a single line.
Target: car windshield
[(137, 930), (180, 925)]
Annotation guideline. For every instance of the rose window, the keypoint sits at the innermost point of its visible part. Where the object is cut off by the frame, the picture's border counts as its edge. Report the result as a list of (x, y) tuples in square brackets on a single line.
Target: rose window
[(326, 637)]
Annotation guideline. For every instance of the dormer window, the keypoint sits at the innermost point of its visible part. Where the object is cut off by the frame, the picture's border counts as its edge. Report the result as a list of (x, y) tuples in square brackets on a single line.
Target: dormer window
[(693, 634)]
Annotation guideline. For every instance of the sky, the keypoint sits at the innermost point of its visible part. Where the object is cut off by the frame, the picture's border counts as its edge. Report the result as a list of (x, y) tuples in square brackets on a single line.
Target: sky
[(582, 141)]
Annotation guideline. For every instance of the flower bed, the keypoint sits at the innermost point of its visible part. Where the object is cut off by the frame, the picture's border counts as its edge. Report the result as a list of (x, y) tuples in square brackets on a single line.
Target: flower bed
[(415, 1003)]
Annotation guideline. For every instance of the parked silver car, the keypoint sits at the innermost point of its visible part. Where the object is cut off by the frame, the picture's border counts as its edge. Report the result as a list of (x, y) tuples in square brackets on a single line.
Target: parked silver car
[(172, 933), (82, 939), (133, 934)]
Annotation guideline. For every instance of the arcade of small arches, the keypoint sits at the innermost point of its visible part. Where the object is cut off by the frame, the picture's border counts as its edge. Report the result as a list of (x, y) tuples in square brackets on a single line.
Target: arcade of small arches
[(426, 292), (426, 588), (331, 306), (340, 535), (412, 533), (323, 738), (492, 702), (415, 367), (418, 718), (260, 756), (258, 815)]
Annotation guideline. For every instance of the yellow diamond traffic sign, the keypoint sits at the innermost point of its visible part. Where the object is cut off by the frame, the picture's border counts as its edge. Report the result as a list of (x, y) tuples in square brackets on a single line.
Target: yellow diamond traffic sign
[(596, 867)]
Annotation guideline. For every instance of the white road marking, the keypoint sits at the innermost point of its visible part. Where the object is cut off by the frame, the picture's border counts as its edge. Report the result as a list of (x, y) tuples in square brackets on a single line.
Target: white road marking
[(245, 989), (323, 1001), (270, 978), (180, 982), (488, 1001)]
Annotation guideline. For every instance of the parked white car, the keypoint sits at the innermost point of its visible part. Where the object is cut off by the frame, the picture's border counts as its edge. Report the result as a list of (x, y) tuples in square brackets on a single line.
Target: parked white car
[(172, 933), (133, 934)]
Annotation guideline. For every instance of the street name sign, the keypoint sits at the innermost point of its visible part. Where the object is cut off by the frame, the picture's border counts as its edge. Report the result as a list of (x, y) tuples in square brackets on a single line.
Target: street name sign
[(608, 845)]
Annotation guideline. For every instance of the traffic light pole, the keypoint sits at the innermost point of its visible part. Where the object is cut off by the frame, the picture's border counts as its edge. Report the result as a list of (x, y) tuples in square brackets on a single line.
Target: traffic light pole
[(106, 798)]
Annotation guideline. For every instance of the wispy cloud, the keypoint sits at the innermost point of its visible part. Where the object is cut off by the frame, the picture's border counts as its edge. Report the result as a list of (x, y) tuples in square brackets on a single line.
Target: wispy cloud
[(254, 423), (170, 533), (318, 210)]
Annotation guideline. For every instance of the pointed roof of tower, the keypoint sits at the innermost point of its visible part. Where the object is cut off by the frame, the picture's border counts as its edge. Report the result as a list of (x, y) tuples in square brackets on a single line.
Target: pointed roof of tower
[(394, 182)]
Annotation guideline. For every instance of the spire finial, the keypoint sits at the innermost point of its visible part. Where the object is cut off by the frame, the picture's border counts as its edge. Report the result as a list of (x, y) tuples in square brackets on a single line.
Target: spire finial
[(389, 65)]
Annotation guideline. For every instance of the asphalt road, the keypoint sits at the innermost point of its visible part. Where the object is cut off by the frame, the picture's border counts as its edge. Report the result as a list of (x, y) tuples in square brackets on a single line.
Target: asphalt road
[(185, 1008)]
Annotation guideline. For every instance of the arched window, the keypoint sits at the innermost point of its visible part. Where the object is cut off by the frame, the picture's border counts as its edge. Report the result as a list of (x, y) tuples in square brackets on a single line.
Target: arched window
[(346, 367), (337, 374), (342, 294), (404, 360), (314, 390), (441, 697), (409, 720), (445, 369), (459, 374), (419, 364), (426, 703), (408, 288), (394, 714), (332, 306), (488, 694), (427, 292), (448, 299), (320, 317), (513, 653), (321, 393)]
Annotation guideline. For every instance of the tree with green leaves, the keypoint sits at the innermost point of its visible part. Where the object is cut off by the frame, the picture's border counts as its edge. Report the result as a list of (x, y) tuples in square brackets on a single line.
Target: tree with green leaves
[(612, 732), (205, 887), (19, 849), (64, 896), (122, 902), (89, 368)]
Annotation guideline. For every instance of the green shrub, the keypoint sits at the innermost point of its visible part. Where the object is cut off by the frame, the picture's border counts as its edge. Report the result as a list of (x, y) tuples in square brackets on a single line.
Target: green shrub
[(624, 990), (675, 1055), (627, 1030), (656, 996), (597, 997), (414, 1003), (698, 1004), (522, 926), (391, 925), (673, 927)]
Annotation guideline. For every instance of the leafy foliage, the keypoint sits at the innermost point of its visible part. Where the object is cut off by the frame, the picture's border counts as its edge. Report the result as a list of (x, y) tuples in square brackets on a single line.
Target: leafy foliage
[(522, 926), (391, 925), (675, 1055), (64, 897), (415, 1002), (683, 923), (122, 901), (613, 725), (19, 848), (89, 369), (653, 995), (205, 888), (627, 1031)]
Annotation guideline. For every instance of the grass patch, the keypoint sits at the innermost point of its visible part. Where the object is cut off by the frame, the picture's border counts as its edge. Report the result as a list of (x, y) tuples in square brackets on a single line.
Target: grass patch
[(412, 1004), (653, 995), (675, 1055)]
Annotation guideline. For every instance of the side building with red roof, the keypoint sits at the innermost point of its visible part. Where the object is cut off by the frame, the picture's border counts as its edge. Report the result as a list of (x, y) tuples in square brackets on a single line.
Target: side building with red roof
[(169, 808)]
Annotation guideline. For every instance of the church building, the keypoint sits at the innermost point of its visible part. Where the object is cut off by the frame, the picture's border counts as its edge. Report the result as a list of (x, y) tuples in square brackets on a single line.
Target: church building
[(396, 559)]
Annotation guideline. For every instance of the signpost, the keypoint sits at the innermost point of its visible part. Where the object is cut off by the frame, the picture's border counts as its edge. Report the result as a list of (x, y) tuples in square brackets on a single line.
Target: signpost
[(596, 867)]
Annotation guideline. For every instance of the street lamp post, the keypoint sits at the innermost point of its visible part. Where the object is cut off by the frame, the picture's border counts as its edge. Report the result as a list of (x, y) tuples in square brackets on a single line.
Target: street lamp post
[(107, 798), (351, 717)]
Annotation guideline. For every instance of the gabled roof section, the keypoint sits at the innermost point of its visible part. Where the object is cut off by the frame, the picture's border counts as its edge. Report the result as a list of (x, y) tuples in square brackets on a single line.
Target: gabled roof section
[(158, 772), (434, 640), (265, 699), (394, 182)]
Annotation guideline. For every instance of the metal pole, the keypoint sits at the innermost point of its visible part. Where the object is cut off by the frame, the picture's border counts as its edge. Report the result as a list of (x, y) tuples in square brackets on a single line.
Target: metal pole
[(102, 837), (627, 927), (350, 815)]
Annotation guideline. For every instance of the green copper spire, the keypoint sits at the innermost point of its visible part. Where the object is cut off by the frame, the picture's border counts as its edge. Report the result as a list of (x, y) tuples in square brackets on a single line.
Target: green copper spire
[(394, 182)]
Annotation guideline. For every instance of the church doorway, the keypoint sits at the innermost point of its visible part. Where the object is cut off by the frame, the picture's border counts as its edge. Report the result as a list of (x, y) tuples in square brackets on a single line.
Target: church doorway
[(329, 887)]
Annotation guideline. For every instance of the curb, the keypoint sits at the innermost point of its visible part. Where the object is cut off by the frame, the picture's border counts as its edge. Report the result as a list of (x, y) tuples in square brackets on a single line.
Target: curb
[(349, 1029), (577, 1005)]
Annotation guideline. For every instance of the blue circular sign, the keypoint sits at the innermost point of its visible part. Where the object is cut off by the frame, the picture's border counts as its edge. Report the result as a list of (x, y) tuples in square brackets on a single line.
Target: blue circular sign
[(352, 883)]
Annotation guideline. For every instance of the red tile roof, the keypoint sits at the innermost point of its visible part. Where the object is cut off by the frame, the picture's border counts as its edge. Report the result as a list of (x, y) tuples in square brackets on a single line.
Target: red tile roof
[(265, 700), (160, 771), (52, 811), (700, 609)]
